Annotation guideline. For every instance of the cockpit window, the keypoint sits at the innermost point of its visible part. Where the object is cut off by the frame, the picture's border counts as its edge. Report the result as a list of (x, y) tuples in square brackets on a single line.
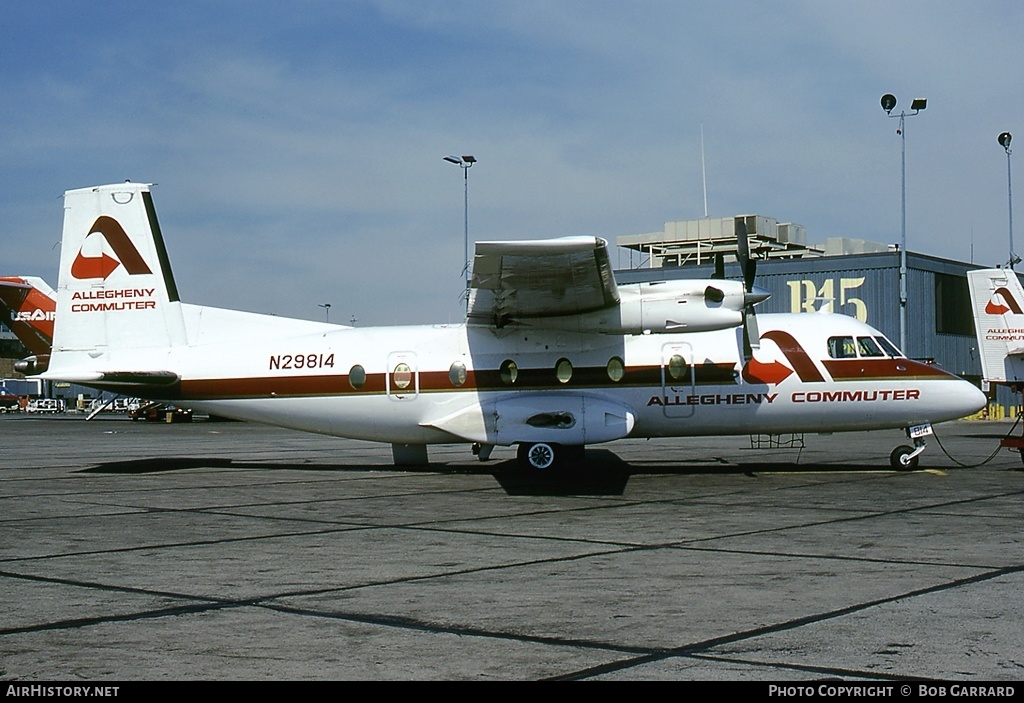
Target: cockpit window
[(867, 347), (841, 348), (889, 347)]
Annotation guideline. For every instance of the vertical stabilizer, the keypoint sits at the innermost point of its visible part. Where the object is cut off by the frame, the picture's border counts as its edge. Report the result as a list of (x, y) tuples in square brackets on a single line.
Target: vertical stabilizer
[(998, 301), (29, 307), (115, 293)]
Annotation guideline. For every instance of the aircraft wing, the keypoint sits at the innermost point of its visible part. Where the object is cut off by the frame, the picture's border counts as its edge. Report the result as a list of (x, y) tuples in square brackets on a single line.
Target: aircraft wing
[(524, 280)]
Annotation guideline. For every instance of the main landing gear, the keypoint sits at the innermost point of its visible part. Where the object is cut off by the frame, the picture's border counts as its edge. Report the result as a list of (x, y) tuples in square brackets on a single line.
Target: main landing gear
[(904, 458), (538, 456)]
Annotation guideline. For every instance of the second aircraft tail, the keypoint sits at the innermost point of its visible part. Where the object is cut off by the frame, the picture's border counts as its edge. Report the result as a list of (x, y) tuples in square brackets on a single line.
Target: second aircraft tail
[(998, 301)]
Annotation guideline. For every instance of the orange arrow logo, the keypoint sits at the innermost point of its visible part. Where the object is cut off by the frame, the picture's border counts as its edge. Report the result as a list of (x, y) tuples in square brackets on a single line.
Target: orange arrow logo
[(102, 266), (93, 266), (772, 373), (994, 308)]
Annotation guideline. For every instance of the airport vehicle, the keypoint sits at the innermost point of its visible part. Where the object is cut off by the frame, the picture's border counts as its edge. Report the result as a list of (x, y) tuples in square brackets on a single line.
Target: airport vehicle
[(553, 356), (158, 412), (45, 406), (9, 403)]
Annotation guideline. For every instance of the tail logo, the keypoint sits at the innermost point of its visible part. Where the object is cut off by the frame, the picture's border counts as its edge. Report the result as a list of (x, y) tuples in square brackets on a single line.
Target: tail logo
[(85, 267), (1008, 304)]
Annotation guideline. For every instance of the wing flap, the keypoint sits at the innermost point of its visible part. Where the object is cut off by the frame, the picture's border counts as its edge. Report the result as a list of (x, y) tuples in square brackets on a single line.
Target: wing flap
[(523, 280)]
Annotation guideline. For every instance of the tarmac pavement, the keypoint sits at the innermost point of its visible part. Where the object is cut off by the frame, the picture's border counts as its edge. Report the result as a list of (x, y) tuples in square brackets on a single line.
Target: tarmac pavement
[(134, 551)]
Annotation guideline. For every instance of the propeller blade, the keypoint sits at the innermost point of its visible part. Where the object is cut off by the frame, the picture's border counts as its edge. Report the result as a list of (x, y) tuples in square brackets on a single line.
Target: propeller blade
[(719, 273), (751, 335), (754, 294), (747, 265)]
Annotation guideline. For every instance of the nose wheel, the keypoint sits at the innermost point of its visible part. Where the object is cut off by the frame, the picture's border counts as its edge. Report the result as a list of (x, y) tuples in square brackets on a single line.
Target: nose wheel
[(903, 457)]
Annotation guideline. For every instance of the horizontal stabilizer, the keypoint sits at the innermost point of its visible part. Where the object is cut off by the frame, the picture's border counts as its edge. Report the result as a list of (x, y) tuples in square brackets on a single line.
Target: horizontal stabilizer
[(120, 379)]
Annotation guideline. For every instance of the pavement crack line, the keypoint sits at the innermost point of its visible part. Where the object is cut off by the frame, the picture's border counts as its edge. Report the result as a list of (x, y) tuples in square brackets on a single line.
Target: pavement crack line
[(640, 655), (691, 650)]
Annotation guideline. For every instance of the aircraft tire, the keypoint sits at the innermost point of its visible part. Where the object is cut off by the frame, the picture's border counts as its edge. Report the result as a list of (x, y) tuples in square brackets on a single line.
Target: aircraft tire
[(897, 459), (538, 456)]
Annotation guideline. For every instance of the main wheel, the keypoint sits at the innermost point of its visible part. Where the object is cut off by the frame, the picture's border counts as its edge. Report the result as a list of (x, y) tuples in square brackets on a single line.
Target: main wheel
[(538, 455), (900, 458)]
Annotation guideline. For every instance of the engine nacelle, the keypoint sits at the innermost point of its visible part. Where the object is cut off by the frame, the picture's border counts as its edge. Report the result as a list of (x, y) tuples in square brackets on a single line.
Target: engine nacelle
[(664, 307), (33, 365)]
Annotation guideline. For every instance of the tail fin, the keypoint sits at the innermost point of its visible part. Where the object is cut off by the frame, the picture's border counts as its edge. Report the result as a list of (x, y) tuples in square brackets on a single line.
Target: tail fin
[(117, 303), (29, 306), (998, 300)]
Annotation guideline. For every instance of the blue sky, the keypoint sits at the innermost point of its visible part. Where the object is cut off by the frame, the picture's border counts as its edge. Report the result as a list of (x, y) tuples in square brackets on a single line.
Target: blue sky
[(298, 147)]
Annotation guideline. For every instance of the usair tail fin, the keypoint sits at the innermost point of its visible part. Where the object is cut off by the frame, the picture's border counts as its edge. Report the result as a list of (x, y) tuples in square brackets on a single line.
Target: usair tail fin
[(117, 303), (29, 305), (998, 301)]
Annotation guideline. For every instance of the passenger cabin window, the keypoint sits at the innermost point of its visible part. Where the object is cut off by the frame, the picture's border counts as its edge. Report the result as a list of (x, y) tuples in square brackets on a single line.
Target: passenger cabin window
[(457, 373), (868, 347), (563, 370), (508, 372), (402, 376), (841, 348), (616, 369), (677, 367), (356, 377)]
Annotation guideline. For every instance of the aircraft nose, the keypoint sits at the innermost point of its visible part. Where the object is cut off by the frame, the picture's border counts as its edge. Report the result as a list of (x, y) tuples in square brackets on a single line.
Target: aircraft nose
[(970, 398)]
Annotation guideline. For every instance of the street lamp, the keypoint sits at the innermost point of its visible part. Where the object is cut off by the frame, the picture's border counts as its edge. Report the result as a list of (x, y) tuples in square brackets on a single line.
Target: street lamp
[(888, 103), (1004, 141), (327, 310), (465, 163)]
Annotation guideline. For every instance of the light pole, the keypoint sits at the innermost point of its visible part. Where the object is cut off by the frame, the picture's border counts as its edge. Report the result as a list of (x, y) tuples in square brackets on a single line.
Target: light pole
[(465, 163), (327, 310), (888, 103), (1004, 141)]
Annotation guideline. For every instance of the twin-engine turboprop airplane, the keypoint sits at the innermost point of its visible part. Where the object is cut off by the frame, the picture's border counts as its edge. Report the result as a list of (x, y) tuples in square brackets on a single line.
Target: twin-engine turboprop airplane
[(554, 354)]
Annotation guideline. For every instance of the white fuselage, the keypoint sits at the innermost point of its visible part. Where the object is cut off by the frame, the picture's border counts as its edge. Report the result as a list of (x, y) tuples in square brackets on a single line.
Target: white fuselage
[(448, 383)]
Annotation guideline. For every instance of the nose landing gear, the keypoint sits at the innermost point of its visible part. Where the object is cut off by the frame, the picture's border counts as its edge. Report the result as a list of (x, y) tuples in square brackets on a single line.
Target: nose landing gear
[(904, 458)]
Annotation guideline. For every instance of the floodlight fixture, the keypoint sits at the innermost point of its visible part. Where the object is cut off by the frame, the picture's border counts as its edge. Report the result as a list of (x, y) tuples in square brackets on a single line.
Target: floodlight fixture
[(1004, 141), (889, 104), (465, 163)]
